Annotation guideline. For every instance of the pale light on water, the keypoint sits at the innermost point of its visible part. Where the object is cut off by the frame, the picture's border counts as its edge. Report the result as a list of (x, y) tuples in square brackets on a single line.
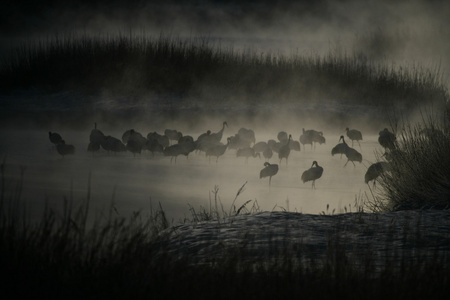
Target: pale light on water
[(135, 183)]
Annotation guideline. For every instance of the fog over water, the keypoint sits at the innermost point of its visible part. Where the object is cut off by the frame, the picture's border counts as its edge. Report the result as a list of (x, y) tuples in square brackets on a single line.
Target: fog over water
[(409, 32), (134, 183)]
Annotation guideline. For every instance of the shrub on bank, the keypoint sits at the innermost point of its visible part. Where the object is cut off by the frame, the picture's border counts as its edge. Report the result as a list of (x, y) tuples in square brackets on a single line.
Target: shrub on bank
[(419, 176)]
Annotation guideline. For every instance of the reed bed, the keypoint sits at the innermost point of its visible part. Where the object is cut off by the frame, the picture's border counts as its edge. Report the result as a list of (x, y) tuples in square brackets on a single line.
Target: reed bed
[(139, 66)]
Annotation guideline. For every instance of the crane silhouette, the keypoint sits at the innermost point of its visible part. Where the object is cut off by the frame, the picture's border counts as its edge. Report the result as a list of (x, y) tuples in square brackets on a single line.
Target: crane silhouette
[(375, 170), (217, 150), (217, 137), (55, 138), (312, 174), (65, 149), (352, 154), (247, 152), (96, 138), (285, 150), (269, 171), (354, 135), (339, 148), (387, 139)]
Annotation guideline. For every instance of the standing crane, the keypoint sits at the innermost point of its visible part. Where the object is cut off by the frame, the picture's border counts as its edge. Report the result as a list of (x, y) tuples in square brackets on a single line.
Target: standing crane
[(217, 137), (247, 152), (387, 139), (65, 149), (285, 150), (352, 155), (217, 150), (354, 135), (269, 171), (95, 139), (375, 170), (55, 138), (312, 174), (339, 148)]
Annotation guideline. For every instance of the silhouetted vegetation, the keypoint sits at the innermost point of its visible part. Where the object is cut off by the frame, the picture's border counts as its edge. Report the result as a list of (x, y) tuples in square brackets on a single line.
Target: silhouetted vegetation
[(66, 256), (139, 66), (76, 255), (419, 176)]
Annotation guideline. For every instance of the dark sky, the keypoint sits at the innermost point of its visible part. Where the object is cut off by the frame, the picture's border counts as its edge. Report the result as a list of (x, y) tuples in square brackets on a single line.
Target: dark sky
[(23, 17)]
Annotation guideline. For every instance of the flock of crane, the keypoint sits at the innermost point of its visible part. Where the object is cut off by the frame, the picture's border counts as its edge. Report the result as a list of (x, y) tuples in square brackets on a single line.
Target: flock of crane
[(173, 144)]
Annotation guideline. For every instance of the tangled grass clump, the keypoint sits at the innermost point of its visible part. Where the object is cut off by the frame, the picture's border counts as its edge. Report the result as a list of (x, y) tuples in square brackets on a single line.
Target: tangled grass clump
[(419, 176)]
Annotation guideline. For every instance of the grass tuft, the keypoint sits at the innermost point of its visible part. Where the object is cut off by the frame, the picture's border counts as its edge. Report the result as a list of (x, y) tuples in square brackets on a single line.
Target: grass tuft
[(419, 176)]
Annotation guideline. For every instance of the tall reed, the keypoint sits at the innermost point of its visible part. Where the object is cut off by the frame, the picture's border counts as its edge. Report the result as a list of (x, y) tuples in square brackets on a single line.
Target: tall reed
[(137, 65)]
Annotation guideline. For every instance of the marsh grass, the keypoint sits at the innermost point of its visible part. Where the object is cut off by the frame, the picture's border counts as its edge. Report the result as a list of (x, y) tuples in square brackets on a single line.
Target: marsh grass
[(64, 256), (139, 66), (420, 174), (217, 212)]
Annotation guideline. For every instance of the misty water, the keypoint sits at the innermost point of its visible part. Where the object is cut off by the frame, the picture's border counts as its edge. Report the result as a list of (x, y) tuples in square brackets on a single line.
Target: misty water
[(400, 34), (137, 183)]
